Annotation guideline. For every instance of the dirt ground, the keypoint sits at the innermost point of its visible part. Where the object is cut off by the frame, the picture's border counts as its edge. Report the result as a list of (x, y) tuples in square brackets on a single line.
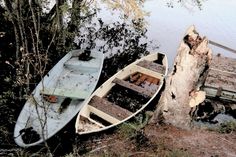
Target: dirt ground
[(150, 141), (161, 141), (195, 142)]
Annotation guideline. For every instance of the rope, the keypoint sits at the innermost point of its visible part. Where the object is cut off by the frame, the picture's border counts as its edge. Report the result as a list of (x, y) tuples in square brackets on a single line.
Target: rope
[(221, 46)]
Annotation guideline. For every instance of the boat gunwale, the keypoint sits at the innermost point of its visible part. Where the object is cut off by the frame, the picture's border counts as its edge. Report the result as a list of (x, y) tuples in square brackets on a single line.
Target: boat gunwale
[(109, 81), (27, 104)]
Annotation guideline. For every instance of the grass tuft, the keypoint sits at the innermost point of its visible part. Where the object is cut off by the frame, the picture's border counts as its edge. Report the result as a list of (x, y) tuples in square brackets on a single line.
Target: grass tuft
[(227, 127), (178, 153)]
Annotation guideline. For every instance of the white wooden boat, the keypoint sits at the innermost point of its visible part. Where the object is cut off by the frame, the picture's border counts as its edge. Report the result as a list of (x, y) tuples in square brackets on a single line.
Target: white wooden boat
[(58, 98), (135, 87)]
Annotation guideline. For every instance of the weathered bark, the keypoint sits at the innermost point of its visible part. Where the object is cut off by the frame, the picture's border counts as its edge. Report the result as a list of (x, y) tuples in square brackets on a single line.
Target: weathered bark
[(182, 84)]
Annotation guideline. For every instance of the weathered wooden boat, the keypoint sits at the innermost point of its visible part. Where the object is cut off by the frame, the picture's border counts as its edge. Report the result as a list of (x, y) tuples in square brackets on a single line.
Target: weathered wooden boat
[(124, 95), (58, 97)]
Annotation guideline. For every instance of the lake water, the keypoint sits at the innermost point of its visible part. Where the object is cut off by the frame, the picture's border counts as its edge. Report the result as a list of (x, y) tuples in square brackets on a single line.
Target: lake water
[(166, 26)]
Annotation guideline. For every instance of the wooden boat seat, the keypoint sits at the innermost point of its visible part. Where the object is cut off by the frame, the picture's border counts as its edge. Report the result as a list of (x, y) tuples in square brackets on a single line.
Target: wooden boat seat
[(133, 87), (152, 66), (75, 64), (109, 108), (65, 93)]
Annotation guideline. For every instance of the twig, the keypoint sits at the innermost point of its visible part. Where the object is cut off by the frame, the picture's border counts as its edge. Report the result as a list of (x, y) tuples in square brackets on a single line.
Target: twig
[(136, 153), (7, 151), (223, 139), (99, 148), (42, 124), (105, 146)]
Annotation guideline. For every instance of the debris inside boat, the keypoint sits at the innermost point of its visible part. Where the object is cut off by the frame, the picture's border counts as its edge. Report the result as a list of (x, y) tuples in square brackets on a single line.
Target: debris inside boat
[(58, 97), (126, 98), (123, 95)]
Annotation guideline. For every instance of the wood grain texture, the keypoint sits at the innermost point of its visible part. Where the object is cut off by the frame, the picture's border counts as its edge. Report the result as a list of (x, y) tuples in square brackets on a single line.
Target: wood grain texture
[(109, 108)]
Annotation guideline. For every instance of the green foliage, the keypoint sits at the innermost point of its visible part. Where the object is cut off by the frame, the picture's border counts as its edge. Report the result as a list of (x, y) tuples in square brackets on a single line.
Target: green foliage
[(64, 8), (178, 153), (134, 130), (224, 128), (6, 96), (129, 8), (27, 153), (127, 130), (4, 133), (227, 127), (131, 129), (69, 155), (189, 4)]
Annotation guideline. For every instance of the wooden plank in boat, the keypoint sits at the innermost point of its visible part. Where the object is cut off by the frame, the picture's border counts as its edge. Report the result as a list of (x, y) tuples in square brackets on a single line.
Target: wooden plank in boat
[(140, 80), (65, 93), (133, 87), (152, 66), (109, 108)]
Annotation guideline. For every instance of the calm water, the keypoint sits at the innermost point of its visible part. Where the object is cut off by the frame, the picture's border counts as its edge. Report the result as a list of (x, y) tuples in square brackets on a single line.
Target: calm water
[(166, 26)]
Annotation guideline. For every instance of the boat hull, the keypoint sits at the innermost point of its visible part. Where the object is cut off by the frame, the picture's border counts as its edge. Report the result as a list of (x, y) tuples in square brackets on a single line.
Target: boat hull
[(71, 82), (143, 78)]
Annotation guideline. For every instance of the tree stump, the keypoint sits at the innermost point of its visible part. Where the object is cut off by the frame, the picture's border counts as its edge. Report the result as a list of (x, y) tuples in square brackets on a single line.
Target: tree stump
[(182, 93)]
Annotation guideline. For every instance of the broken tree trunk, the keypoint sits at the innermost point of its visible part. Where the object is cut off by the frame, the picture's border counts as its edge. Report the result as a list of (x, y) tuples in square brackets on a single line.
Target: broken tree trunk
[(182, 93)]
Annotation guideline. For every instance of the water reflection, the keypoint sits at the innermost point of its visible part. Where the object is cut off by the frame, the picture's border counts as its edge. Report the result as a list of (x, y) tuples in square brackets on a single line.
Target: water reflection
[(166, 26), (126, 32), (121, 42), (216, 20)]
